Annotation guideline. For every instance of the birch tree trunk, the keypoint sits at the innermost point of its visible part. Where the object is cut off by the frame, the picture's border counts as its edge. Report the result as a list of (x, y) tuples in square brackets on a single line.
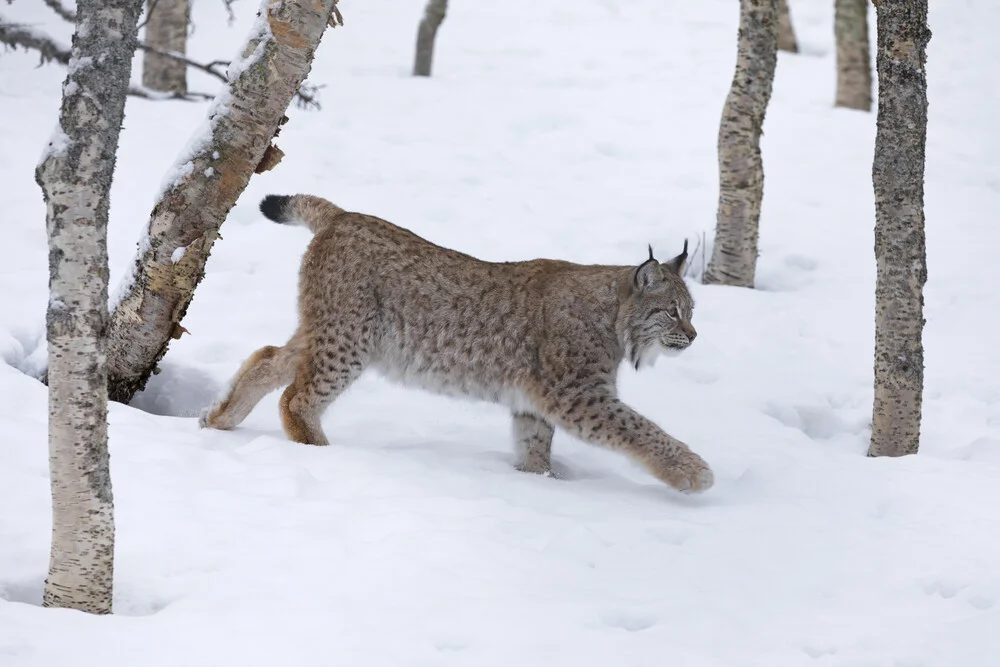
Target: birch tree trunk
[(741, 172), (75, 176), (900, 251), (786, 31), (434, 14), (209, 176), (854, 69), (166, 30)]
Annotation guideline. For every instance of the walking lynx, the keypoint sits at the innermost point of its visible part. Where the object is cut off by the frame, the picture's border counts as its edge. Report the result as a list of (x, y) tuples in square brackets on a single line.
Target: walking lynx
[(544, 338)]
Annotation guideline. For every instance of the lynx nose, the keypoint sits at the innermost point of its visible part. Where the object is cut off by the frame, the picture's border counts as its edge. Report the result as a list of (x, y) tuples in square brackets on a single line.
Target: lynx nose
[(689, 331)]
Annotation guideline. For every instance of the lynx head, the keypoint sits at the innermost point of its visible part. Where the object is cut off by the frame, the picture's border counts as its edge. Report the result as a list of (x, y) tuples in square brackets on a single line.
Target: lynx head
[(655, 316)]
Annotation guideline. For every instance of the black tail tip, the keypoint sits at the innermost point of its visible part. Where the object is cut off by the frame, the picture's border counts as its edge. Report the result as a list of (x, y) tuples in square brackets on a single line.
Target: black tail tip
[(275, 207)]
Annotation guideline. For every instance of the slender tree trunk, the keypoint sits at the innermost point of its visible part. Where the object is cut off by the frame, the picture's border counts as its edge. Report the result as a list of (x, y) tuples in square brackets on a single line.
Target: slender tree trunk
[(433, 16), (786, 31), (166, 30), (209, 176), (75, 176), (741, 172), (900, 251), (854, 69)]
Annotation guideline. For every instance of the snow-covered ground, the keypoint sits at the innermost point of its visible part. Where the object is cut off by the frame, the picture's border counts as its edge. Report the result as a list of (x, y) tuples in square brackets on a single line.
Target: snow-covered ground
[(582, 131)]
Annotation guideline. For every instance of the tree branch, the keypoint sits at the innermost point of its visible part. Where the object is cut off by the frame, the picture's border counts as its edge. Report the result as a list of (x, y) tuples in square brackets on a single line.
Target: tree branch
[(208, 69), (62, 10), (14, 35), (149, 12)]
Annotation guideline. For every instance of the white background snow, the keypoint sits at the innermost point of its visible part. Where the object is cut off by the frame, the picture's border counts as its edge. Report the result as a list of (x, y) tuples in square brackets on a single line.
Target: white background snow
[(579, 130)]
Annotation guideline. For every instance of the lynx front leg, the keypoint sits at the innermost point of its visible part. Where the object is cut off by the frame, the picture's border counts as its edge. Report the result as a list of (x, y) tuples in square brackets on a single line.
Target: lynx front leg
[(605, 420), (533, 443)]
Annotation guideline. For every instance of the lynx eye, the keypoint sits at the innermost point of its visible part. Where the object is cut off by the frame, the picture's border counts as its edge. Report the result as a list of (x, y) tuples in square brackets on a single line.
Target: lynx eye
[(672, 312)]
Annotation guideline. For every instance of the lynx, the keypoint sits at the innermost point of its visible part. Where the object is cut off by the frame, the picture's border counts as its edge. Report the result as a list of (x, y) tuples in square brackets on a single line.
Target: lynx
[(544, 338)]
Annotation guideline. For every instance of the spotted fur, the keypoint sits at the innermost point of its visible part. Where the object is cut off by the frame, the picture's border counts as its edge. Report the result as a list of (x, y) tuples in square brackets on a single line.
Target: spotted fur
[(545, 338)]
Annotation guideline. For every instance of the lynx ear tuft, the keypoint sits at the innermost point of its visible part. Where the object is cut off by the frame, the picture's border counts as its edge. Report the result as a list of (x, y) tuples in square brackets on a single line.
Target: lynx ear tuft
[(676, 265), (647, 273)]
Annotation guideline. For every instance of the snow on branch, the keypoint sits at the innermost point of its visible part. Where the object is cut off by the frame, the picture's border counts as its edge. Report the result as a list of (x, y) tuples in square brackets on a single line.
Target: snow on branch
[(14, 35), (62, 10)]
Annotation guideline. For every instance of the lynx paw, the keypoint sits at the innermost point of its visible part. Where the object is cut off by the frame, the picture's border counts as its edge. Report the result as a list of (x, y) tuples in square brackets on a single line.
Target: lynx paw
[(534, 467), (209, 418), (690, 474)]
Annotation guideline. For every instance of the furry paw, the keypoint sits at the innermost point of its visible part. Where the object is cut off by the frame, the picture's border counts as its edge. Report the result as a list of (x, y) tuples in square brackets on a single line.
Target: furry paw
[(688, 474), (209, 418), (535, 468)]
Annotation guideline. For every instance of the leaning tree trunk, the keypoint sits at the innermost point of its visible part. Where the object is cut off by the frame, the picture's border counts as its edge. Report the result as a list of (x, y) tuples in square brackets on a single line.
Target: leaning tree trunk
[(75, 176), (433, 16), (900, 251), (166, 30), (210, 175), (786, 32), (741, 173), (854, 68)]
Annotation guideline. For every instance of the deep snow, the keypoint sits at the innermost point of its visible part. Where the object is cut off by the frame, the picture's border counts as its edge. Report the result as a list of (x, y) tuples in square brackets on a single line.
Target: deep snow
[(581, 131)]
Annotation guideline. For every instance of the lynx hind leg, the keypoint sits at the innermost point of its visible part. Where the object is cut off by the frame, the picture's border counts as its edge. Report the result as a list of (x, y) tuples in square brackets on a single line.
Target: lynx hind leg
[(532, 443), (264, 371), (321, 376), (604, 420)]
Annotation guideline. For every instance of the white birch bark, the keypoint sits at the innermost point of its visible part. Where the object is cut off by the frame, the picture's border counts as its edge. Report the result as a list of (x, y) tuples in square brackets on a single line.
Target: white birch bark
[(75, 176), (854, 68), (166, 30), (900, 246), (434, 14), (211, 173), (741, 172)]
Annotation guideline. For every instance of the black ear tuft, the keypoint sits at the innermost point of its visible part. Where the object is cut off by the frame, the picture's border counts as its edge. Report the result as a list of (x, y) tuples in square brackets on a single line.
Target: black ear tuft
[(276, 207), (677, 263), (647, 273)]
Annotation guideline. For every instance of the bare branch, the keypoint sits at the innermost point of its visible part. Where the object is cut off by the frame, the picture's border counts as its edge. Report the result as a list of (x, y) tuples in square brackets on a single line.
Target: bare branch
[(156, 95), (229, 10), (307, 96), (14, 35), (62, 10), (208, 69), (149, 12)]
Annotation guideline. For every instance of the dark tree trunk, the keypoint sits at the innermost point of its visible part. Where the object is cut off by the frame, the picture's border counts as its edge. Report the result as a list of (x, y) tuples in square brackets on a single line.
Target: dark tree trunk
[(434, 14), (900, 251)]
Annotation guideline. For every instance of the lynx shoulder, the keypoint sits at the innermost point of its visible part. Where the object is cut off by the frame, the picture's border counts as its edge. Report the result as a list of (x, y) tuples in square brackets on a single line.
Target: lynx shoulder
[(545, 338)]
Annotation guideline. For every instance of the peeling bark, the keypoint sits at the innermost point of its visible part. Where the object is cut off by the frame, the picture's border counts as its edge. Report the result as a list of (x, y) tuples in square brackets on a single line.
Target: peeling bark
[(854, 68), (434, 14), (75, 176), (166, 30), (741, 172), (900, 249), (786, 31), (210, 175)]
